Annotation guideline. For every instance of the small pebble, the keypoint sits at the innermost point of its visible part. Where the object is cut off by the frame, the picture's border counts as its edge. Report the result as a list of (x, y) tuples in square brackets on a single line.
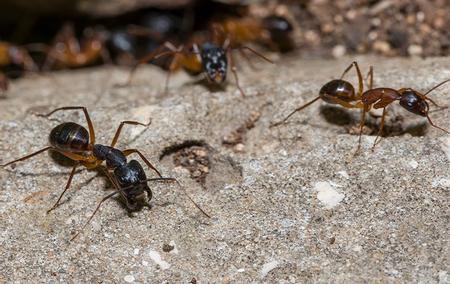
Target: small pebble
[(339, 51), (129, 278), (268, 267), (415, 50)]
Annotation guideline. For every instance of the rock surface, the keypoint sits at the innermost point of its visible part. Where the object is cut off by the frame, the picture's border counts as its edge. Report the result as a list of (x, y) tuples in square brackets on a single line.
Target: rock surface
[(288, 204)]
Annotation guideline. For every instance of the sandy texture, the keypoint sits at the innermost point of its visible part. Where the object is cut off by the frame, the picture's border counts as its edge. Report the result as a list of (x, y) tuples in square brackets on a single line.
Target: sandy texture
[(288, 204)]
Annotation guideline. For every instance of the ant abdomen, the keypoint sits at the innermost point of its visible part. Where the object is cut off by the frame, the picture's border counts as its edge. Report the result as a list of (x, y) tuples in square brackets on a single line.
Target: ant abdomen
[(70, 136), (339, 89)]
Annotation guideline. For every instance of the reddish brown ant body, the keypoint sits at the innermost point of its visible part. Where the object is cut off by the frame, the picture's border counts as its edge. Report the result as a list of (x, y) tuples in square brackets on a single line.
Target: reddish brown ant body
[(78, 144), (69, 52), (273, 31), (200, 56), (410, 99), (337, 91)]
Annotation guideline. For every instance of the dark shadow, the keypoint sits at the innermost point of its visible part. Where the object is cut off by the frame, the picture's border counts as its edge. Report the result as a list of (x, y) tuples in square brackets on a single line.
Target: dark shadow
[(336, 115)]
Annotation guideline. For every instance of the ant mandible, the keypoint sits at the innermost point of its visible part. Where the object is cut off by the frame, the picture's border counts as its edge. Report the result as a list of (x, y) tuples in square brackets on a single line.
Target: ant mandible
[(337, 91), (78, 144), (410, 99), (207, 58)]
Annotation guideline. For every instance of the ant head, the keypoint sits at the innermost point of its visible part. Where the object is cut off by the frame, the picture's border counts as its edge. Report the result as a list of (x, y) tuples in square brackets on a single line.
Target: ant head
[(214, 61), (130, 177), (339, 89), (413, 101)]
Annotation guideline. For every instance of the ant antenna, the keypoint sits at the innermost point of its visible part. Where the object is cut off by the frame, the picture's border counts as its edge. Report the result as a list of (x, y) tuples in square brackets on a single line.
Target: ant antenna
[(438, 85)]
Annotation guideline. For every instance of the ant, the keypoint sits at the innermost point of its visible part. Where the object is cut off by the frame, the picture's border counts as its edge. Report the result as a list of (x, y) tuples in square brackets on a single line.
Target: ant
[(207, 57), (78, 144), (337, 91), (68, 52), (11, 54), (408, 98), (273, 31)]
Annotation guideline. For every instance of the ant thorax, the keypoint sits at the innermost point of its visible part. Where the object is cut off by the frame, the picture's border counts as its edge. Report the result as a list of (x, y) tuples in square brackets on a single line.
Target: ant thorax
[(214, 61)]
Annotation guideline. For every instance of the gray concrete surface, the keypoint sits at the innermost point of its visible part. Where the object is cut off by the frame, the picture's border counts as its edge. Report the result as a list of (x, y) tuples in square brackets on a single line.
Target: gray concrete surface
[(288, 205)]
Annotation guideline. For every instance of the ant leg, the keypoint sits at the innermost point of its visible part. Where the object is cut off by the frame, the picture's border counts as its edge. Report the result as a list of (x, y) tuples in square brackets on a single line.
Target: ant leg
[(86, 114), (296, 110), (233, 69), (95, 211), (380, 132), (118, 131), (256, 53), (370, 77), (131, 151), (28, 156), (249, 62), (119, 190), (361, 126), (438, 127), (184, 191), (358, 72), (172, 67), (437, 86), (154, 55), (65, 189)]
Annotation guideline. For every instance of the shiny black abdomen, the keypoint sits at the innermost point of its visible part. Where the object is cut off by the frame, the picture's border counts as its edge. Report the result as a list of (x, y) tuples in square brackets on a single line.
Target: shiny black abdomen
[(70, 136), (340, 89)]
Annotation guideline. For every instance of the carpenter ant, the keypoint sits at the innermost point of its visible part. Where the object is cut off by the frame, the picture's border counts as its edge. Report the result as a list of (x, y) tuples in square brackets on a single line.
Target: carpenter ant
[(410, 99), (78, 144), (67, 52), (272, 31), (337, 91), (207, 58)]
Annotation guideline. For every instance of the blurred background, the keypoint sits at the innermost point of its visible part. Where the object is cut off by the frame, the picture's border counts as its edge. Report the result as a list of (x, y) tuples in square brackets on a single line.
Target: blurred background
[(43, 35)]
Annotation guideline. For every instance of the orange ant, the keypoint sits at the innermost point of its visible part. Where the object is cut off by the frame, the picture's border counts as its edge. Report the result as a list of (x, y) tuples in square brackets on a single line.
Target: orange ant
[(11, 54), (78, 144), (410, 99), (273, 31), (68, 52), (337, 91), (205, 57)]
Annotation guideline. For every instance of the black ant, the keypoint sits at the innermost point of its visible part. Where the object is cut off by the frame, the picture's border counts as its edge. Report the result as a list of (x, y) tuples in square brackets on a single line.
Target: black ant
[(207, 58), (78, 144), (337, 91), (410, 99)]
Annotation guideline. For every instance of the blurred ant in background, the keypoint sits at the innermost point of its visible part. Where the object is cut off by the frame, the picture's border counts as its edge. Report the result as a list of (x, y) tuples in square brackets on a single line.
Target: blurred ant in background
[(199, 56), (68, 52), (16, 56), (272, 31), (408, 98)]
